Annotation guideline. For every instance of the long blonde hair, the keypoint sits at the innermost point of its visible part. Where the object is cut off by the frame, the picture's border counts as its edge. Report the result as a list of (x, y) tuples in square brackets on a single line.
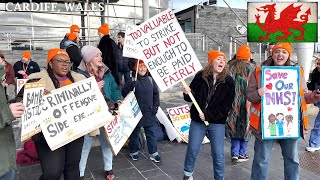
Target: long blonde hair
[(208, 70)]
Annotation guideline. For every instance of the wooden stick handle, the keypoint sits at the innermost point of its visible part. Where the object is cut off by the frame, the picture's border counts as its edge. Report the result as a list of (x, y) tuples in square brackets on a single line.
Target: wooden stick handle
[(194, 101)]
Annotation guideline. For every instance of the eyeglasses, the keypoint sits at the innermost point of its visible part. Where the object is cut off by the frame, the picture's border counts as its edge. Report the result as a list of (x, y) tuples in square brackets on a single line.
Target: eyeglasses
[(62, 62)]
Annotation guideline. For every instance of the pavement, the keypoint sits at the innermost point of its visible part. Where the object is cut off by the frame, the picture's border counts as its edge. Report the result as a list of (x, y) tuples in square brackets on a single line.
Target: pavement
[(171, 165)]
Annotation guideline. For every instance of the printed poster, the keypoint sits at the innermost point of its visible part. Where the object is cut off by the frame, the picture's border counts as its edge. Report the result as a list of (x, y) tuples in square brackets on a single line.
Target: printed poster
[(281, 103)]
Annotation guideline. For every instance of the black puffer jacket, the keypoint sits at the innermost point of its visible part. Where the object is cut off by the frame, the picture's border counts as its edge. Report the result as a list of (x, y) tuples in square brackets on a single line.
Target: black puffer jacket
[(217, 107), (123, 62), (315, 80)]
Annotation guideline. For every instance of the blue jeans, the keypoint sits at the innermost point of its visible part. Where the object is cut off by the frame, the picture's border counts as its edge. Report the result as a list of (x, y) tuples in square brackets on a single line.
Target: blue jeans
[(216, 136), (106, 153), (126, 76), (314, 140), (262, 151), (238, 147), (8, 176), (151, 140)]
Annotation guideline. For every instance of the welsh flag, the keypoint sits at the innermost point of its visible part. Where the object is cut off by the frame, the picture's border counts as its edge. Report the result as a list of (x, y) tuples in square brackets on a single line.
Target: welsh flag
[(283, 22)]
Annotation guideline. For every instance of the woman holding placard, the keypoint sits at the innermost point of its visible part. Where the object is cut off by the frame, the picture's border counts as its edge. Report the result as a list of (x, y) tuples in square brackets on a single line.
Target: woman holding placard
[(92, 65), (214, 91), (281, 53), (64, 160)]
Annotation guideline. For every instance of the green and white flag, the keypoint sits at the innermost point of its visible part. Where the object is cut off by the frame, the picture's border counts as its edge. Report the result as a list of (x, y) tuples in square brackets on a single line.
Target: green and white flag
[(283, 22)]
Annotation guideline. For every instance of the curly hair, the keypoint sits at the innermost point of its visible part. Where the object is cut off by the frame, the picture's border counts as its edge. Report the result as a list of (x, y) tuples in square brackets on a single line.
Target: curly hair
[(208, 70)]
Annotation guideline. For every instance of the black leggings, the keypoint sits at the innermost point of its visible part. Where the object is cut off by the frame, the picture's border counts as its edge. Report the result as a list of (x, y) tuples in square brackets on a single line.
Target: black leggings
[(63, 160)]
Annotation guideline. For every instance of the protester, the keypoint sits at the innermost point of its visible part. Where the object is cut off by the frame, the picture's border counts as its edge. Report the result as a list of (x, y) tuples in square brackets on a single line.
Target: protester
[(64, 160), (8, 146), (73, 50), (281, 54), (270, 47), (314, 141), (237, 126), (109, 51), (7, 78), (123, 62), (147, 94), (213, 90), (92, 66), (25, 66), (73, 29)]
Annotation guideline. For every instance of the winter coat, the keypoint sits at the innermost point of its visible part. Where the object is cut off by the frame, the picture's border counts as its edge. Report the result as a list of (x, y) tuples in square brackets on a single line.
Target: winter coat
[(74, 53), (123, 62), (9, 74), (7, 142), (62, 45), (32, 67), (147, 94), (43, 76), (315, 80), (109, 55), (215, 100)]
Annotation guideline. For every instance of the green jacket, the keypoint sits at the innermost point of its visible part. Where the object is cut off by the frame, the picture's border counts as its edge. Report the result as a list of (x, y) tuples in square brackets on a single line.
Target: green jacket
[(7, 143)]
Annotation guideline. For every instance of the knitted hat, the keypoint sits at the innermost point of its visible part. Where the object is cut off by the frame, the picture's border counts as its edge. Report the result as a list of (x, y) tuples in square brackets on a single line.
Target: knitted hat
[(140, 63), (55, 51), (72, 36), (213, 54), (26, 54), (74, 28), (243, 52), (286, 46), (89, 52), (104, 29)]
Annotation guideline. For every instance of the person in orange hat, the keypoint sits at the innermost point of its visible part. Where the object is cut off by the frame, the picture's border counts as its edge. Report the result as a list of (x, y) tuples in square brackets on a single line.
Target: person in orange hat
[(73, 49), (238, 118), (25, 66), (214, 91), (109, 49), (73, 29), (281, 54), (64, 160)]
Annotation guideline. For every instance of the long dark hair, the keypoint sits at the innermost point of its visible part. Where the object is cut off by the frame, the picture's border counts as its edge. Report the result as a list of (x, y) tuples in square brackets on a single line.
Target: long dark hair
[(208, 71), (54, 78)]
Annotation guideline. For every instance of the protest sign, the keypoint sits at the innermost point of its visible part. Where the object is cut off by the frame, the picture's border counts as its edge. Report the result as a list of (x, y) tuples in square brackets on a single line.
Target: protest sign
[(32, 98), (118, 131), (130, 49), (73, 111), (170, 130), (20, 84), (281, 103), (166, 51), (180, 117)]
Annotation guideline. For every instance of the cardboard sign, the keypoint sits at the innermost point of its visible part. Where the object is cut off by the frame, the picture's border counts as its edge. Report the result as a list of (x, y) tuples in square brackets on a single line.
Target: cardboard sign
[(130, 49), (166, 51), (180, 117), (170, 130), (281, 103), (20, 84), (73, 111), (32, 98), (119, 130)]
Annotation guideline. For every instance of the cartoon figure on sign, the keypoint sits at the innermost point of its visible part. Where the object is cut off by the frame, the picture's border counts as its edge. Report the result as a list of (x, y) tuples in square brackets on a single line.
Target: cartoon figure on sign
[(280, 123), (272, 125), (288, 16), (289, 119)]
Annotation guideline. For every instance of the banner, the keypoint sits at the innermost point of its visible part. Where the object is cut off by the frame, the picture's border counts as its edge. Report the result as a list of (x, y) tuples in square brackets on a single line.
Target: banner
[(130, 49), (170, 130), (281, 103), (30, 120), (119, 130), (20, 84), (73, 111), (180, 117), (166, 51), (283, 22)]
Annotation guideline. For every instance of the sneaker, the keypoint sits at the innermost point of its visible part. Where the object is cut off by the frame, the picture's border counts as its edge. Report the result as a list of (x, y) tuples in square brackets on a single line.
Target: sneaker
[(312, 149), (134, 157), (187, 177), (234, 158), (109, 175), (155, 158), (243, 158)]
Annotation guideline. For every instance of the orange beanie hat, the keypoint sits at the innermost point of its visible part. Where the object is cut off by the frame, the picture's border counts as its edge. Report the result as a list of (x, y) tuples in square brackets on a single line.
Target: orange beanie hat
[(74, 28), (243, 52), (55, 51), (140, 63), (213, 54), (72, 36), (104, 29), (26, 54), (286, 46)]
